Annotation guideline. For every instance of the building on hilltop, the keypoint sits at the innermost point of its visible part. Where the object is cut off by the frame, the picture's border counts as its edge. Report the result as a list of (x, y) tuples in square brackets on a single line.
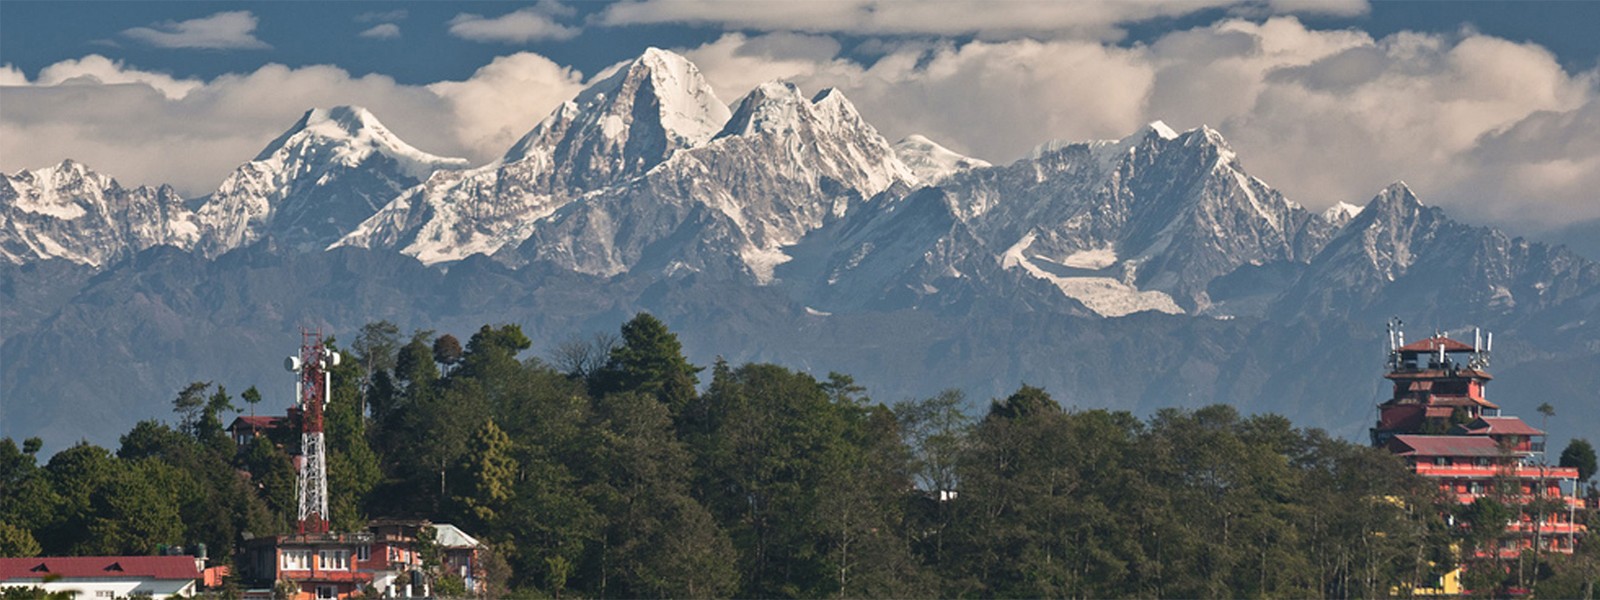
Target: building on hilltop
[(1440, 422), (106, 576)]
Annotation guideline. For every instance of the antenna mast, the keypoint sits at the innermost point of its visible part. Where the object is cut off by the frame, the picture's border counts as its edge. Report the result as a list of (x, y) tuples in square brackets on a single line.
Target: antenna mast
[(311, 387)]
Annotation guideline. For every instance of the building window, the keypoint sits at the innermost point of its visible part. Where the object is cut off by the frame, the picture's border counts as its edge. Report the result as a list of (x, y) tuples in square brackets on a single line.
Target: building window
[(104, 594), (334, 560), (364, 553), (295, 560), (326, 592), (1441, 461)]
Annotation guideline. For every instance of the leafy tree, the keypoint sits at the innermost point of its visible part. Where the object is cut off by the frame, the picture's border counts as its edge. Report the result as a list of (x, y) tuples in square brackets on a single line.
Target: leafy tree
[(658, 541), (447, 350), (75, 474), (28, 501), (251, 396), (375, 347), (137, 509), (414, 364), (1026, 402), (16, 542), (491, 471), (1579, 454), (649, 361), (272, 476)]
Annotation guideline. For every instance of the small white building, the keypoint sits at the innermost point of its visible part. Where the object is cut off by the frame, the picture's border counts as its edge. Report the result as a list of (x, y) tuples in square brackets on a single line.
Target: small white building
[(93, 577)]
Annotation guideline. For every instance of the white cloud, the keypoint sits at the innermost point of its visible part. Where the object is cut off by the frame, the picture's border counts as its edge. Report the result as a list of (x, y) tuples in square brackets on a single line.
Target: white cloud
[(521, 26), (99, 69), (10, 75), (1491, 129), (224, 30), (986, 18), (382, 31), (503, 100), (120, 121)]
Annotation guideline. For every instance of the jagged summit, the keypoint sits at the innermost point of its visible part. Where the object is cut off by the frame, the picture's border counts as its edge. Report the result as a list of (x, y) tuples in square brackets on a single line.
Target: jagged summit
[(1341, 213), (641, 113), (357, 131), (71, 212), (326, 174)]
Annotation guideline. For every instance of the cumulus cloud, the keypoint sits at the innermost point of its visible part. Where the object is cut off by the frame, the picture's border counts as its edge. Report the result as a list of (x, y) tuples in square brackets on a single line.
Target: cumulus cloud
[(232, 30), (946, 17), (1494, 130), (382, 31), (503, 99), (111, 117), (533, 24)]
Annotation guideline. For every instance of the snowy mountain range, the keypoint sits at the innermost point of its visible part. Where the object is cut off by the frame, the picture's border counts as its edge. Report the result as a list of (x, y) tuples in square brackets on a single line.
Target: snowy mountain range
[(647, 191)]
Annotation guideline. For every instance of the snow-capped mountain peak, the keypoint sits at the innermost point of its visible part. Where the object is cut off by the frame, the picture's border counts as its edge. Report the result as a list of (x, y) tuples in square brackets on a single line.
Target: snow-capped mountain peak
[(358, 133), (932, 162), (650, 107), (1160, 129), (71, 212), (315, 183), (1341, 213)]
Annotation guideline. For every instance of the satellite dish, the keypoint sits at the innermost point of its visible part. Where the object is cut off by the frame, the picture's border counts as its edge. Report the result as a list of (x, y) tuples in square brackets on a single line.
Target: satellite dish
[(292, 364), (333, 358)]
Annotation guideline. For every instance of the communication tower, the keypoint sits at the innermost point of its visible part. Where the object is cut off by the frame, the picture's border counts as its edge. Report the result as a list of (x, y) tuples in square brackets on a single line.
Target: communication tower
[(312, 383)]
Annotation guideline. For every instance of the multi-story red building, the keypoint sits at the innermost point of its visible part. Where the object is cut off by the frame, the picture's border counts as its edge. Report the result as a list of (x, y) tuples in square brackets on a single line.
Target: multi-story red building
[(1439, 421), (317, 565)]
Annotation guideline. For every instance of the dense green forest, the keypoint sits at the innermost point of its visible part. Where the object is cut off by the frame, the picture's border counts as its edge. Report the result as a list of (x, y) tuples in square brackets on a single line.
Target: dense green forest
[(603, 470)]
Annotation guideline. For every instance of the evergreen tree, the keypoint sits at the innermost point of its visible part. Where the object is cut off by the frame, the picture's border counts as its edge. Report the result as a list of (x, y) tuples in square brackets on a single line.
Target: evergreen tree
[(649, 361)]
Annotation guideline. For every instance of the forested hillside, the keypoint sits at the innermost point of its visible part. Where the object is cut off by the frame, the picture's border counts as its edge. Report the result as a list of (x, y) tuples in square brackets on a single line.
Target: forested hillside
[(603, 470)]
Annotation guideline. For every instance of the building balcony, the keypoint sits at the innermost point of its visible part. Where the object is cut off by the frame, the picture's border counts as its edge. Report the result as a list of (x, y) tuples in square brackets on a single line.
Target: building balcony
[(324, 575), (1490, 471)]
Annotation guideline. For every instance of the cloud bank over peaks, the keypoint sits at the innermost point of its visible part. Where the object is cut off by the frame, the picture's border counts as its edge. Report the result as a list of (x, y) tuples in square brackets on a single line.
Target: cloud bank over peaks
[(108, 115), (1492, 130), (1472, 121), (986, 19)]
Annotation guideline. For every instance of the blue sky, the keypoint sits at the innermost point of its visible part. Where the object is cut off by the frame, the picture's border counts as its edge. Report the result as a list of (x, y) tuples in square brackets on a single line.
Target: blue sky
[(1487, 108), (38, 33)]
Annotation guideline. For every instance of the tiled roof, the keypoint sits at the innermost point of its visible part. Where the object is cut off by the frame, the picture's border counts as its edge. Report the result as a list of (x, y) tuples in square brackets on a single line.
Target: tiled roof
[(1499, 426), (253, 422), (1432, 345), (1444, 445), (80, 567)]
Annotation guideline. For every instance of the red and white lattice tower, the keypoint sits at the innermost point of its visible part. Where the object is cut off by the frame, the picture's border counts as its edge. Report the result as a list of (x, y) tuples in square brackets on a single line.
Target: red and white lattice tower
[(311, 394)]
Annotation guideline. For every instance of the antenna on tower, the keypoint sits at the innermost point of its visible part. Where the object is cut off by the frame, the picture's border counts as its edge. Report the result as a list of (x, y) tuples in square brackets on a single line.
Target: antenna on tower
[(1396, 340), (312, 384)]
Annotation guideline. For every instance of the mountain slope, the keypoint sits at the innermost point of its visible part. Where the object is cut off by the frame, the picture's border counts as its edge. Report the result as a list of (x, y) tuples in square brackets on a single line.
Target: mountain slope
[(329, 172), (781, 167), (615, 130), (73, 213)]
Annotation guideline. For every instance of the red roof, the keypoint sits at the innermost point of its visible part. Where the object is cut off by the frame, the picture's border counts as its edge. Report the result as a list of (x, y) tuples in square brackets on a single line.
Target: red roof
[(83, 567), (263, 422), (1500, 426), (1432, 345), (1444, 445)]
